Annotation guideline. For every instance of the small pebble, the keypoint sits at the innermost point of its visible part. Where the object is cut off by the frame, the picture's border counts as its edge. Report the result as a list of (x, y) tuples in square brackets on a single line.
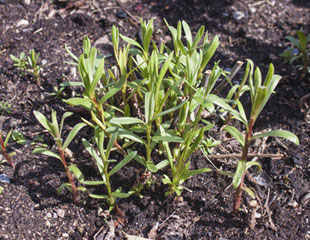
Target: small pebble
[(65, 235), (4, 178), (44, 62), (238, 15), (54, 215), (252, 9), (61, 213), (22, 22), (49, 215), (121, 14)]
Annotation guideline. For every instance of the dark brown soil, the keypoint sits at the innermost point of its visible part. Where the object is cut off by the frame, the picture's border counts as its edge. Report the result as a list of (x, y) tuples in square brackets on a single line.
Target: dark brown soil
[(30, 207)]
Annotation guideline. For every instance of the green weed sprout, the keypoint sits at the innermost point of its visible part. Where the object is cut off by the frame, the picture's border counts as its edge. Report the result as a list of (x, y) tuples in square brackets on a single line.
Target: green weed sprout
[(20, 63), (5, 107), (260, 94), (302, 44), (56, 131), (58, 92), (28, 64), (3, 144)]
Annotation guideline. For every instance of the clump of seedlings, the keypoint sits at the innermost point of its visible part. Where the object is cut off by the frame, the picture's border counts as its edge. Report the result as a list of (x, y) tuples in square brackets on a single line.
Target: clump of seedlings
[(155, 99)]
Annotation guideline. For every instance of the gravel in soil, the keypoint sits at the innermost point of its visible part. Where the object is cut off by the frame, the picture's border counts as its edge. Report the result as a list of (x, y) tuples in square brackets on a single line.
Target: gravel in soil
[(30, 207)]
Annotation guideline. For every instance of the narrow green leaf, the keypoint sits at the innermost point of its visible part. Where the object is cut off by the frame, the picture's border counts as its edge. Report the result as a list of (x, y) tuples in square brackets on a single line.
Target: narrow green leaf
[(43, 121), (64, 116), (122, 163), (167, 139), (173, 109), (109, 94), (249, 191), (94, 183), (111, 142), (162, 164), (151, 167), (241, 169), (294, 41), (126, 134), (252, 163), (189, 173), (77, 172), (279, 133), (73, 133), (46, 152), (97, 196), (64, 185), (120, 194), (8, 136), (235, 133), (131, 41), (126, 121), (188, 34), (84, 102)]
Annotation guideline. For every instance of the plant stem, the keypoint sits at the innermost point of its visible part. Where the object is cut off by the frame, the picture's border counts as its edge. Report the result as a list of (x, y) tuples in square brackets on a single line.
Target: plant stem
[(148, 142), (69, 175), (5, 154), (244, 156)]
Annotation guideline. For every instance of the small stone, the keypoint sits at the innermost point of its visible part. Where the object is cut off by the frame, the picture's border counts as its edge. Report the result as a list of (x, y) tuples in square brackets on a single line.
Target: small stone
[(293, 204), (61, 213), (4, 178), (48, 224), (238, 15), (22, 23), (49, 215), (253, 203), (44, 62), (54, 215), (65, 235), (257, 215), (121, 14), (80, 229), (252, 9)]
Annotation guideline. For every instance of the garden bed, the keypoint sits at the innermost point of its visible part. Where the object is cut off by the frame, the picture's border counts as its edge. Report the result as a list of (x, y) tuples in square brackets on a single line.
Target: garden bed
[(30, 207)]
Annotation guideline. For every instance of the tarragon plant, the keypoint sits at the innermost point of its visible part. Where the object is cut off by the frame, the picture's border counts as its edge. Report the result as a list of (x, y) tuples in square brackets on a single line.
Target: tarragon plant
[(260, 93), (56, 131)]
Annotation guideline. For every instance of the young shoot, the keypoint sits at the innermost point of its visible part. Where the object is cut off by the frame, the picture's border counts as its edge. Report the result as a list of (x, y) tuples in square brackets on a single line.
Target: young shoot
[(260, 93), (56, 131)]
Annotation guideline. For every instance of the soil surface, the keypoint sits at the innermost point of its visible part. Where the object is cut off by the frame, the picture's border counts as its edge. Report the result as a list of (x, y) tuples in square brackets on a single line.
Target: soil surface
[(30, 207)]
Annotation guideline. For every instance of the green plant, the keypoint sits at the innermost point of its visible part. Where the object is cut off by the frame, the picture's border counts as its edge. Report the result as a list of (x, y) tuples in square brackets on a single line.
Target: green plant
[(56, 131), (3, 144), (34, 67), (28, 64), (58, 92), (20, 63), (291, 55), (103, 161), (260, 94), (19, 138), (5, 107)]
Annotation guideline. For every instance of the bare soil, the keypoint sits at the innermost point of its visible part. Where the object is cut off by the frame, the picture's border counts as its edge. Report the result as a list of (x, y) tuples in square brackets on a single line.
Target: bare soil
[(30, 207)]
